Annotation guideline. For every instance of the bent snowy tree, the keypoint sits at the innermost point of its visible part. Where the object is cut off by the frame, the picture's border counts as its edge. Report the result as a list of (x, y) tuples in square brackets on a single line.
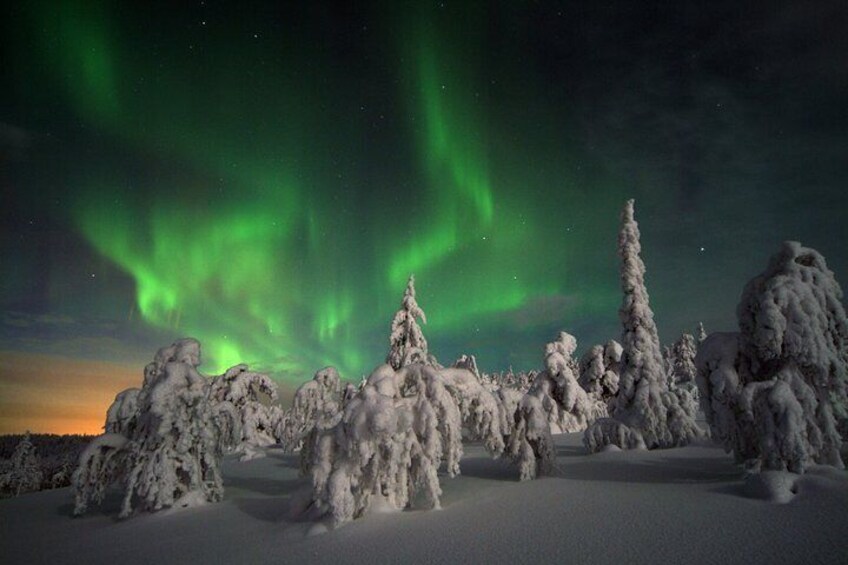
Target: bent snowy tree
[(390, 442), (171, 457), (776, 393)]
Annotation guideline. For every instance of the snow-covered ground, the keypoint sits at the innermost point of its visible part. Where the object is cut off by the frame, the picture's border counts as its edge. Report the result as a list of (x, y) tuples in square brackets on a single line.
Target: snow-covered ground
[(682, 505)]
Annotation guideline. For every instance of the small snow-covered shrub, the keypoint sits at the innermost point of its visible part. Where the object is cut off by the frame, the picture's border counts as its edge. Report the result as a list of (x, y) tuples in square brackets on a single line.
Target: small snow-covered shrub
[(241, 388), (24, 473), (776, 393), (608, 431)]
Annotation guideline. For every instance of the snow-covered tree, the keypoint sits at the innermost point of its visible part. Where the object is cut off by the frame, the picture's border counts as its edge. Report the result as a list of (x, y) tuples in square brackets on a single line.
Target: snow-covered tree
[(643, 403), (702, 333), (25, 473), (316, 402), (776, 393), (555, 397), (598, 373), (62, 476), (317, 406), (407, 342), (392, 438), (172, 456), (681, 374), (259, 420), (122, 415), (482, 416), (468, 362)]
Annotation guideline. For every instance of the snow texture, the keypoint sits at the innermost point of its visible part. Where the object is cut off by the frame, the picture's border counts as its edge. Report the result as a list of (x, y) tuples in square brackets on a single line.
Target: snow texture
[(122, 415), (775, 393), (391, 440), (173, 453), (636, 507), (643, 403)]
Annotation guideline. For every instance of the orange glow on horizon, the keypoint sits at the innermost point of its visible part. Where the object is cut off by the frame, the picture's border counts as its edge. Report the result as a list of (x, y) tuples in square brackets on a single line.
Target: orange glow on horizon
[(59, 395)]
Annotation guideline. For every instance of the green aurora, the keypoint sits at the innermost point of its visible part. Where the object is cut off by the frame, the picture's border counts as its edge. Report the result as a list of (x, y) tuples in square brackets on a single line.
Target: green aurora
[(268, 178)]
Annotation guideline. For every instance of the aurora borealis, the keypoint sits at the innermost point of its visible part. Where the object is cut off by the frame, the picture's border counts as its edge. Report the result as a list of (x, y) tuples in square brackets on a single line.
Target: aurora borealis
[(265, 176)]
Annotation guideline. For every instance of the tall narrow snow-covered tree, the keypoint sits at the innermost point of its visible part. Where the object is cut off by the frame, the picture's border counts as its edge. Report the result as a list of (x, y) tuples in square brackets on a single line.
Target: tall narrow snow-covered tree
[(776, 393), (643, 404), (407, 342)]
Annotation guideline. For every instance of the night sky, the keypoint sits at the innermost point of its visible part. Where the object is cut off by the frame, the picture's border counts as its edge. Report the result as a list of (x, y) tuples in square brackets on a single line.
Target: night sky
[(265, 176)]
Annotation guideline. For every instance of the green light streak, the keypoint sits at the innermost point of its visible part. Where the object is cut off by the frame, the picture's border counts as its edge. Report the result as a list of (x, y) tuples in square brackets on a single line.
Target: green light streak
[(238, 233)]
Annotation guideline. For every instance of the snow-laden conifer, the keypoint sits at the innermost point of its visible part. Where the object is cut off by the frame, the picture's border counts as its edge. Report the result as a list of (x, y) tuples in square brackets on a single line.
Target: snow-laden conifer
[(479, 408), (599, 373), (25, 473), (775, 393), (407, 342), (390, 442), (171, 457), (254, 397), (643, 403), (556, 398), (317, 406)]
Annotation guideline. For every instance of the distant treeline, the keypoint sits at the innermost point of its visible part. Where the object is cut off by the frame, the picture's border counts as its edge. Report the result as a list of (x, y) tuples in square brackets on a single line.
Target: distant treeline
[(46, 444), (49, 464)]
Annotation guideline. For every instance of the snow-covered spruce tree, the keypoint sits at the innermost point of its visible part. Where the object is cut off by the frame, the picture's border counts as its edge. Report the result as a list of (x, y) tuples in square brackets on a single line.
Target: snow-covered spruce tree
[(122, 415), (172, 456), (643, 404), (556, 398), (317, 406), (392, 438), (241, 388), (681, 371), (483, 417), (407, 342), (25, 473), (776, 393)]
